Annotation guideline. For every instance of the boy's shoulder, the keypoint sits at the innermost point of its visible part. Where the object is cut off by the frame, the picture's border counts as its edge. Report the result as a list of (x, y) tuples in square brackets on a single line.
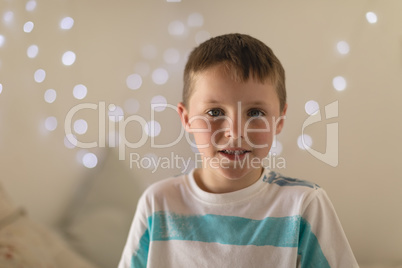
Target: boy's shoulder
[(297, 194), (273, 177), (170, 184)]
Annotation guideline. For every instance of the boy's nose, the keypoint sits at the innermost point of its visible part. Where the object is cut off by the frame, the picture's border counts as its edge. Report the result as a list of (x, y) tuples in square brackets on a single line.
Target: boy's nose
[(235, 128)]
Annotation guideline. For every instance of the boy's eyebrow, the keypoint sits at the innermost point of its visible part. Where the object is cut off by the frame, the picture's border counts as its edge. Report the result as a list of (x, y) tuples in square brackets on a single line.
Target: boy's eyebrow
[(256, 103), (212, 101)]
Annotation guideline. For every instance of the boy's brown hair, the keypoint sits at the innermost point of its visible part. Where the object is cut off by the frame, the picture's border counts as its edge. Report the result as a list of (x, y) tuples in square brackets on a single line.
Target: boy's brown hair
[(242, 55)]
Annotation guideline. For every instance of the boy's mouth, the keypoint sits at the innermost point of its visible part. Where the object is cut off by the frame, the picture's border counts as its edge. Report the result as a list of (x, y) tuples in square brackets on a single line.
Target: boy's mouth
[(234, 153)]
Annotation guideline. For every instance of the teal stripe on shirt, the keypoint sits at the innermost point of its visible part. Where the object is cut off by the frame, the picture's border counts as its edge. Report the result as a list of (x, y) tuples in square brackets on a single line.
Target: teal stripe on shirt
[(291, 231), (231, 230), (140, 258), (309, 249)]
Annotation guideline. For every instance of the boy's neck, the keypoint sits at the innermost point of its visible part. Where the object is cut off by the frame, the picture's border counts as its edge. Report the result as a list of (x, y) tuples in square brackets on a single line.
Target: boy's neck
[(210, 181)]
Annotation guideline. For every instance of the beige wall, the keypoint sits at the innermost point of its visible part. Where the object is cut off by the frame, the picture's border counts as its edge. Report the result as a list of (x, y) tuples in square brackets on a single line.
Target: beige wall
[(109, 39)]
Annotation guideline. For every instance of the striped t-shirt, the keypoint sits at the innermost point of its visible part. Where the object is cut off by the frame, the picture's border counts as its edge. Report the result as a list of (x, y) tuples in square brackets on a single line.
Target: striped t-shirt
[(276, 222)]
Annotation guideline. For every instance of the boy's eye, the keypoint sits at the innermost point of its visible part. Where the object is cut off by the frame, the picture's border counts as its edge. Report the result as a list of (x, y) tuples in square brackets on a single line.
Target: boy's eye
[(255, 113), (215, 112)]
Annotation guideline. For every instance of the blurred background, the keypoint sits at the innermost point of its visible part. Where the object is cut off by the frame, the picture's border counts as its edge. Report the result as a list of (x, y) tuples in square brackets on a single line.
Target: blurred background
[(108, 74)]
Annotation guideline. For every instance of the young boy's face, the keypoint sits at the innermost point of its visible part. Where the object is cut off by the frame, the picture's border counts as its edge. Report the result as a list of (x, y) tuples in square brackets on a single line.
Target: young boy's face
[(233, 123)]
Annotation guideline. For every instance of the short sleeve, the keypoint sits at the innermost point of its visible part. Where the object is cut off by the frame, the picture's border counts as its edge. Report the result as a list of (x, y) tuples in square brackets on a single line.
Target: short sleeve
[(322, 241), (135, 253)]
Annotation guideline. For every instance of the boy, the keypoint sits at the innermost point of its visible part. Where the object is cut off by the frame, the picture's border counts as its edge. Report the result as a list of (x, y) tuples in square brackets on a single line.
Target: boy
[(232, 212)]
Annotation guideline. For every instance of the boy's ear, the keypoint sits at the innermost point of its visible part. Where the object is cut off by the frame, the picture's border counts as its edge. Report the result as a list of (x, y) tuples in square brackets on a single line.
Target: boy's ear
[(281, 120), (183, 113)]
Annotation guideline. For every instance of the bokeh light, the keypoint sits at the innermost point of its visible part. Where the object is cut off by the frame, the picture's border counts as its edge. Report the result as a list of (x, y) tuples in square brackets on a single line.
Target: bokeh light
[(152, 128), (68, 58), (40, 75), (30, 5), (304, 141), (339, 83), (1, 88), (176, 28), (2, 40), (28, 26), (8, 17), (80, 91), (371, 17), (160, 76), (115, 113), (80, 126), (50, 95), (89, 160), (32, 51), (134, 81), (311, 107), (51, 123), (158, 103), (195, 20), (171, 56), (343, 47), (66, 23)]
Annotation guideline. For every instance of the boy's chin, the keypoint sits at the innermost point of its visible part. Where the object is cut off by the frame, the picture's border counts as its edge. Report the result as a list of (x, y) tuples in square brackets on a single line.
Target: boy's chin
[(239, 173)]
